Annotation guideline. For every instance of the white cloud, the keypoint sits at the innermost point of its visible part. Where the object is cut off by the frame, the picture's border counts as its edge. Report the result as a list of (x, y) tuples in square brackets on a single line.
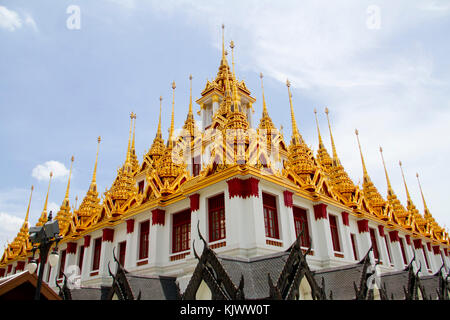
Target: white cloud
[(9, 19), (9, 227), (42, 171)]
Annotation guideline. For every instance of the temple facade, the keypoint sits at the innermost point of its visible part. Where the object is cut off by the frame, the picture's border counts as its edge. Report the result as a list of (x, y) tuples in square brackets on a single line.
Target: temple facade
[(218, 200)]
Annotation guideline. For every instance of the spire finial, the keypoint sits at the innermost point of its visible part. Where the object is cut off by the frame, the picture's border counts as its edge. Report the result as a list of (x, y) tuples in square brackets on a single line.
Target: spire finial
[(223, 42), (294, 123), (134, 133), (94, 176), (362, 158), (66, 198), (265, 113), (29, 203), (421, 193), (335, 157), (404, 182), (173, 114), (232, 57), (129, 138), (190, 97), (158, 132), (318, 130), (46, 198), (389, 187)]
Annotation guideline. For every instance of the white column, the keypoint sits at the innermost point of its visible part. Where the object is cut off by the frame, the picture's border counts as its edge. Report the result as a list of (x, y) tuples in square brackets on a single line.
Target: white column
[(87, 258), (363, 238), (321, 234), (106, 253), (131, 244), (344, 228), (396, 250), (159, 247)]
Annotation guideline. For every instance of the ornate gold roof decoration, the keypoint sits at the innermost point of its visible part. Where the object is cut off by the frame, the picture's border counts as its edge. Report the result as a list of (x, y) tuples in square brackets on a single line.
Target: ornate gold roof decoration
[(338, 176), (370, 191), (43, 218), (91, 202), (322, 156), (399, 210), (190, 126), (133, 157), (413, 213), (64, 214), (431, 225), (300, 157)]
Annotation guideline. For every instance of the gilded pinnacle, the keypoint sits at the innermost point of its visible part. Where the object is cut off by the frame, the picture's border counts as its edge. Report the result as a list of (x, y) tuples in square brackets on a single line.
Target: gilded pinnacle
[(335, 157)]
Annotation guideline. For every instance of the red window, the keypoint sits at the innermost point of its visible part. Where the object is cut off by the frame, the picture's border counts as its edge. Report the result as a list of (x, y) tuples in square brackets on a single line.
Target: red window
[(97, 251), (388, 249), (301, 222), (355, 251), (144, 239), (196, 166), (141, 186), (373, 238), (181, 233), (270, 216), (122, 251), (62, 262), (402, 248), (80, 258), (425, 256), (216, 216), (334, 233)]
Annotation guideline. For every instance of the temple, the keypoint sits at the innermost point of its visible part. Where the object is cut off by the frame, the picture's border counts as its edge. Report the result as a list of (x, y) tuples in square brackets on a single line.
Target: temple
[(226, 208)]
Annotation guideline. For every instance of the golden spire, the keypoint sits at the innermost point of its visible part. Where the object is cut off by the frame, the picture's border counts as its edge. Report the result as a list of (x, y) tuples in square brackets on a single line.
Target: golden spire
[(66, 198), (29, 203), (133, 157), (223, 43), (94, 175), (232, 57), (389, 187), (265, 113), (295, 134), (408, 196), (335, 157), (322, 154), (128, 158), (43, 218), (321, 145), (427, 212), (190, 96), (365, 175), (170, 142), (189, 125), (413, 212), (158, 133)]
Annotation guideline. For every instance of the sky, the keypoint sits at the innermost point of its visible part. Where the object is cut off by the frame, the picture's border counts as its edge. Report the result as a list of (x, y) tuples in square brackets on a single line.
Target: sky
[(71, 71)]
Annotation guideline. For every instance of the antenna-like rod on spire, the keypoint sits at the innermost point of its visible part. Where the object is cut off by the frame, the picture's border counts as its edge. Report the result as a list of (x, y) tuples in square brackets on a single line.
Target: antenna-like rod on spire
[(265, 113), (232, 57), (404, 182), (158, 132), (129, 137), (362, 158), (318, 130), (389, 187), (134, 133), (421, 193), (173, 114), (223, 43), (29, 203), (66, 198), (46, 198), (190, 97), (335, 157), (295, 132), (94, 175)]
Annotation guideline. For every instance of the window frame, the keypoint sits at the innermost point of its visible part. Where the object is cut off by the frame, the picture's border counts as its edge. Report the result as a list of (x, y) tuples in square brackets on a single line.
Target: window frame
[(305, 240), (217, 226), (95, 258), (144, 242), (62, 262), (271, 221), (181, 231), (335, 238), (376, 247)]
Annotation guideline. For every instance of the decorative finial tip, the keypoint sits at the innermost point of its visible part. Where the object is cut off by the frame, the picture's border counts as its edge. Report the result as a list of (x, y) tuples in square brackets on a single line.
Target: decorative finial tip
[(288, 84), (381, 149), (72, 159), (173, 85), (223, 26), (326, 110), (32, 188), (261, 75), (315, 110), (356, 131), (99, 139), (51, 174), (232, 44), (160, 98), (400, 163), (417, 175), (190, 77)]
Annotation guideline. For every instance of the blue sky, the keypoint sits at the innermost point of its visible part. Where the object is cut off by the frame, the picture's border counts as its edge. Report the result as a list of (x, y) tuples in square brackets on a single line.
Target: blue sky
[(61, 88)]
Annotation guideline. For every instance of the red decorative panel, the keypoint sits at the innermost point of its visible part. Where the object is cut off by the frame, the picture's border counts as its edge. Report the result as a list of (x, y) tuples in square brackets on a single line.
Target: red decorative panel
[(195, 202), (218, 245), (274, 243), (71, 248), (417, 243), (87, 241), (363, 226), (287, 195), (436, 249), (9, 268), (243, 188), (158, 217), (2, 272), (20, 266), (130, 226), (108, 235), (429, 246), (393, 235), (381, 230), (178, 256), (345, 218), (445, 251), (408, 239), (320, 211)]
